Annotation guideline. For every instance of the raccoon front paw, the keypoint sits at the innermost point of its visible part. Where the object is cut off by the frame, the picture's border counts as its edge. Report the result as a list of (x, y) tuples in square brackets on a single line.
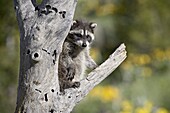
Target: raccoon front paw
[(93, 65), (76, 84), (70, 74), (62, 92)]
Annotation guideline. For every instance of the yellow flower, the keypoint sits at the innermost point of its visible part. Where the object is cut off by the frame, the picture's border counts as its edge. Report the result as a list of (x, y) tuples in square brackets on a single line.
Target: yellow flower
[(105, 93), (148, 105), (125, 112), (109, 93), (144, 59), (159, 54), (147, 108), (142, 110), (162, 110), (127, 106), (140, 59)]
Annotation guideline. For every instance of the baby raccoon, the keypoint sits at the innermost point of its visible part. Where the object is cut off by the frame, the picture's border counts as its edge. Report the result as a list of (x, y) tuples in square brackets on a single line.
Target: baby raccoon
[(75, 54)]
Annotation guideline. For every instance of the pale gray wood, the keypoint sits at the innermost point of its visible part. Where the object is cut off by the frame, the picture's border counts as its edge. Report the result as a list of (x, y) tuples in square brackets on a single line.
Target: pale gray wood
[(41, 39)]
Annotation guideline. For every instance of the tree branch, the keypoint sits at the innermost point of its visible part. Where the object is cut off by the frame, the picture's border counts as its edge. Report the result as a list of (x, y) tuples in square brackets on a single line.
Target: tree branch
[(94, 78), (106, 68)]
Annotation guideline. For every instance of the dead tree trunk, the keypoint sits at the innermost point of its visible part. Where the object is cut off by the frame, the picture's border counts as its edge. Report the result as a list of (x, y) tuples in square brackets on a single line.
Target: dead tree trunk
[(43, 29)]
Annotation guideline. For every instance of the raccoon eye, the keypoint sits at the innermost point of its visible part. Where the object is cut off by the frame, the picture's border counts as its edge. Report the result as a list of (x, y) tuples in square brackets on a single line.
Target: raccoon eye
[(78, 35), (89, 38)]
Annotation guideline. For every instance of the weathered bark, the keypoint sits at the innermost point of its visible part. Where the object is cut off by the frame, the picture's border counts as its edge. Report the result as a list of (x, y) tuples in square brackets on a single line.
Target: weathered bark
[(43, 29), (42, 33)]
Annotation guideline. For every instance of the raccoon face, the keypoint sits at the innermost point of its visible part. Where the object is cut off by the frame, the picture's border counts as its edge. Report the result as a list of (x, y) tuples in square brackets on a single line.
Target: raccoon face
[(82, 33)]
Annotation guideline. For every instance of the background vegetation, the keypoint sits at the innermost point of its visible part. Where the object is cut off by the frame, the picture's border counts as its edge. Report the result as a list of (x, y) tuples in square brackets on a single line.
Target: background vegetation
[(139, 85)]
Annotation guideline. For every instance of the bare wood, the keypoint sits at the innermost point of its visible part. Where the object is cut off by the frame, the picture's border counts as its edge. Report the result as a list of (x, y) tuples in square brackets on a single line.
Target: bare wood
[(106, 68), (42, 34)]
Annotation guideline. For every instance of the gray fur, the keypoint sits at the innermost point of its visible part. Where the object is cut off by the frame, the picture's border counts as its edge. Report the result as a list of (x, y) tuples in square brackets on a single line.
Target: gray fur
[(75, 57)]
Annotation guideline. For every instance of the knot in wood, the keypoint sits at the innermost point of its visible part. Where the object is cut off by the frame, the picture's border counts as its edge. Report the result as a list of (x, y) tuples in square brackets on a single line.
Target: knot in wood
[(36, 56)]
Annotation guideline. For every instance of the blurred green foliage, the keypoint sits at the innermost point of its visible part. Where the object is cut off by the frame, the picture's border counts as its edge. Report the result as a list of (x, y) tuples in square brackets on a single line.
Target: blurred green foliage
[(9, 54), (142, 80), (139, 85)]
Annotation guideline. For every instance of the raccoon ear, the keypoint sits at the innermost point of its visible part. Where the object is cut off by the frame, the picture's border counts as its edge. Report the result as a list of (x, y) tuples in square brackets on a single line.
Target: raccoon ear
[(93, 25), (74, 24)]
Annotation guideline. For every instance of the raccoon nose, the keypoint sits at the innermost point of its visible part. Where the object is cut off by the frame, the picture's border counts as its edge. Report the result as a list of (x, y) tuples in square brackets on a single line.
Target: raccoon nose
[(84, 45)]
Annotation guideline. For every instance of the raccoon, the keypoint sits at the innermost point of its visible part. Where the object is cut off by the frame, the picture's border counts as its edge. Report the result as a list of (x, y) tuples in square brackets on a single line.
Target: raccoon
[(75, 57)]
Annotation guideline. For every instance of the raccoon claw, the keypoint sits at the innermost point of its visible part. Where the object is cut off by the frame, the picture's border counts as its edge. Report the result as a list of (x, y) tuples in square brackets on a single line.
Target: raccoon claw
[(71, 77), (62, 92), (76, 84)]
